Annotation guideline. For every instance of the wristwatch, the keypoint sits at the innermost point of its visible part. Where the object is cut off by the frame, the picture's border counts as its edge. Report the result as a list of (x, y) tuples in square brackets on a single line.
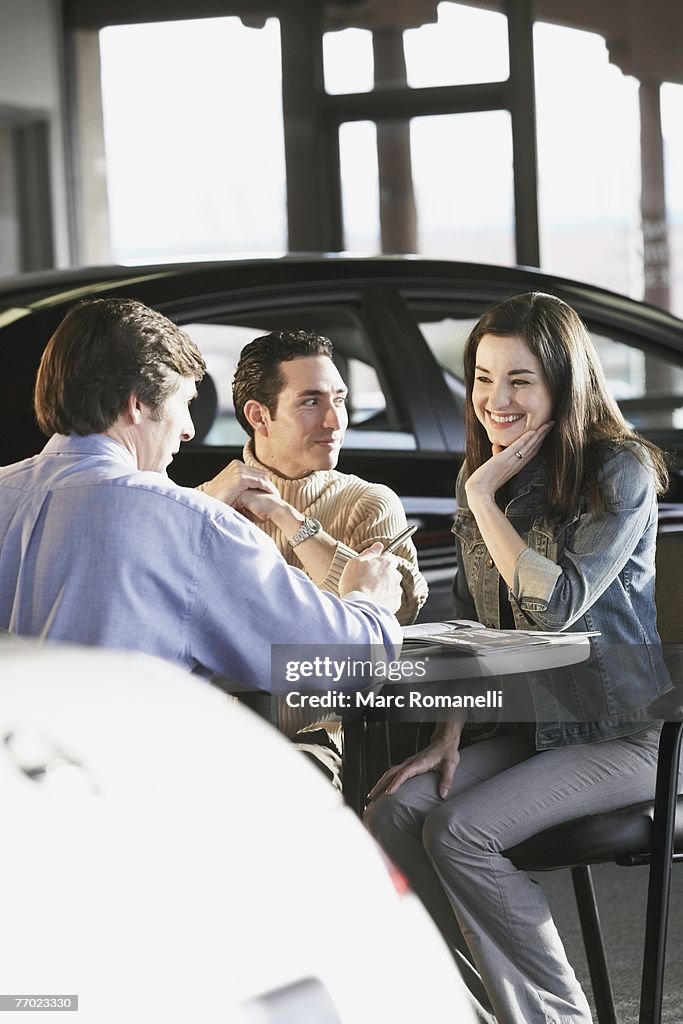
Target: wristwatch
[(308, 528)]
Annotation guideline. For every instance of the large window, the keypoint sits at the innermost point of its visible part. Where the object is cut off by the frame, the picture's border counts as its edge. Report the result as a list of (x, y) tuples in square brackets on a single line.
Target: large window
[(360, 186), (458, 167), (462, 169), (195, 149), (463, 186), (672, 119), (347, 61), (194, 139), (447, 52), (451, 52), (589, 161)]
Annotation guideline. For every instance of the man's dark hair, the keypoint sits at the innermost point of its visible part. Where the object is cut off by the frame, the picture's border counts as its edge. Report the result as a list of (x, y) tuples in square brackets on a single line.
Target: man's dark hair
[(258, 375), (103, 351)]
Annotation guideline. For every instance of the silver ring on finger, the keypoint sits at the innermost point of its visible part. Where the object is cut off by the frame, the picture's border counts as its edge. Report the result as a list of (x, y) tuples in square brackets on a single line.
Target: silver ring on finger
[(520, 455)]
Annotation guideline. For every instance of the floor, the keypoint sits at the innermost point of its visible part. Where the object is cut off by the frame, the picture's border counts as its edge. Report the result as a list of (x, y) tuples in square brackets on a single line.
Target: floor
[(621, 895)]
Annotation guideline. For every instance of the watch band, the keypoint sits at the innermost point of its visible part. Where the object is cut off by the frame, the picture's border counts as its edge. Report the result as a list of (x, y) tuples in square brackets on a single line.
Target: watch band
[(308, 528)]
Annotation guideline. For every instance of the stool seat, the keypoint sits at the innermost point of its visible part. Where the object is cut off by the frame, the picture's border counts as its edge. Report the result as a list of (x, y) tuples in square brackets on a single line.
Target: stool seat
[(624, 836)]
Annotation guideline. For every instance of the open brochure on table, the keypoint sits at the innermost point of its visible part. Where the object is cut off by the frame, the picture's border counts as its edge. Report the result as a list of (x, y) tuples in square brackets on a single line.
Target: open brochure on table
[(467, 637)]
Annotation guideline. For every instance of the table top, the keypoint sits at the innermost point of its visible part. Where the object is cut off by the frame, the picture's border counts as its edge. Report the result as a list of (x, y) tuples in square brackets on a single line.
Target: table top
[(452, 663)]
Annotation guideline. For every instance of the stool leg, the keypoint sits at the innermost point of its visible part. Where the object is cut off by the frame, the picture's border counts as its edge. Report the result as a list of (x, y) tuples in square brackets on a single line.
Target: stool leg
[(589, 917), (659, 882), (354, 775)]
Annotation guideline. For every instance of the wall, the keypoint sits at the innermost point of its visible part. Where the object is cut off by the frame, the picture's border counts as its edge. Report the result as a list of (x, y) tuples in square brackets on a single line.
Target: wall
[(31, 87)]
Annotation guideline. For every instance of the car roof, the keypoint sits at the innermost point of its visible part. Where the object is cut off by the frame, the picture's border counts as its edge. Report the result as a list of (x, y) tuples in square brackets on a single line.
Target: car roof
[(482, 284)]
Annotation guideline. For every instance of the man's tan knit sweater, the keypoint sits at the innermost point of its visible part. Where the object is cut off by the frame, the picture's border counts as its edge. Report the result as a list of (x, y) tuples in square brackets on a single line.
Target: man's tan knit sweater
[(356, 514)]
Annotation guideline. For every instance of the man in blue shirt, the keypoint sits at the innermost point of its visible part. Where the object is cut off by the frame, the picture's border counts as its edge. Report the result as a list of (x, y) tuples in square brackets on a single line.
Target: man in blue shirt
[(98, 546)]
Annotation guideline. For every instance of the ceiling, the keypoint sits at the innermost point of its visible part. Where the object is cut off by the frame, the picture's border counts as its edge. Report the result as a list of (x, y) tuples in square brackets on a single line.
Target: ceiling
[(644, 37)]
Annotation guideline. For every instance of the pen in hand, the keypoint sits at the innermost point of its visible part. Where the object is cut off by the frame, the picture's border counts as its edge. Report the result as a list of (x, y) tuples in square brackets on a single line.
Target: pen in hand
[(396, 541)]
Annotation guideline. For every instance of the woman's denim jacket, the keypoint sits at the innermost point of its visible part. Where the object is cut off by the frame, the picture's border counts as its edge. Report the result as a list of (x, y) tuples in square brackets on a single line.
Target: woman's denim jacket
[(579, 573)]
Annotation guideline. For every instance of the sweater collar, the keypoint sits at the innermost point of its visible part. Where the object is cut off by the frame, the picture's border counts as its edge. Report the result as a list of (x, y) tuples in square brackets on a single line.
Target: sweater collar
[(319, 477)]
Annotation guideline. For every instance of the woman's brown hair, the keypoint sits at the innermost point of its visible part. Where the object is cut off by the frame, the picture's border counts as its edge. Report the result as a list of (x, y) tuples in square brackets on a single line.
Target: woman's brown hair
[(587, 419)]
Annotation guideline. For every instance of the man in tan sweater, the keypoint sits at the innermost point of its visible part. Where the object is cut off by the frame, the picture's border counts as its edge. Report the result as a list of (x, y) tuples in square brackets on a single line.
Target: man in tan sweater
[(291, 400)]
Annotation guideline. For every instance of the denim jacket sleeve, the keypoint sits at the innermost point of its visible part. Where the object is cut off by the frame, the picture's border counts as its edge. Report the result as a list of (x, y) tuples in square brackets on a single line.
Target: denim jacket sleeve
[(554, 594), (463, 603)]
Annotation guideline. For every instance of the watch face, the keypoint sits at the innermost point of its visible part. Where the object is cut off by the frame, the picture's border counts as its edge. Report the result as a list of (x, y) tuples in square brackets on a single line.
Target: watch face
[(308, 528), (311, 527)]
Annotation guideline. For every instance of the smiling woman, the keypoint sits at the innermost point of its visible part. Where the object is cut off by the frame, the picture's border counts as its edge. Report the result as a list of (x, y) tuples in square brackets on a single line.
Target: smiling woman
[(555, 530), (511, 393), (544, 335)]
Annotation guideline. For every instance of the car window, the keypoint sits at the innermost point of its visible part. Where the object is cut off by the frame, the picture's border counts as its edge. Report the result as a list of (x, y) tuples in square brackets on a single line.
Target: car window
[(446, 336), (373, 423), (649, 389)]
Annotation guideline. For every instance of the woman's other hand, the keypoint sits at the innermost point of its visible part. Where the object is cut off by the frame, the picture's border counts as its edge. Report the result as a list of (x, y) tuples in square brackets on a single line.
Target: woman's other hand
[(442, 755)]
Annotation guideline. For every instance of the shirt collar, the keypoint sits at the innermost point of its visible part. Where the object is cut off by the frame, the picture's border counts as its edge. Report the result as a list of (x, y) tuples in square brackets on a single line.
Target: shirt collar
[(89, 444)]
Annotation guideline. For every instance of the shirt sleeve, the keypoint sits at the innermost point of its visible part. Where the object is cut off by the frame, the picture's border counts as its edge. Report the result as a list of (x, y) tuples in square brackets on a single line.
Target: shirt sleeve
[(463, 602), (555, 595), (379, 516), (246, 599)]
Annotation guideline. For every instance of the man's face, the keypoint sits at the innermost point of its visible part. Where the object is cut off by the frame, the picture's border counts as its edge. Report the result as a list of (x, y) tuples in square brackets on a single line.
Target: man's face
[(160, 432), (310, 420)]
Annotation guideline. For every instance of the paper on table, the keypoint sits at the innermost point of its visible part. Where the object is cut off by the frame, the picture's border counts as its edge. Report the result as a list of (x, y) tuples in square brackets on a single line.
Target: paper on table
[(560, 637), (431, 628), (473, 638)]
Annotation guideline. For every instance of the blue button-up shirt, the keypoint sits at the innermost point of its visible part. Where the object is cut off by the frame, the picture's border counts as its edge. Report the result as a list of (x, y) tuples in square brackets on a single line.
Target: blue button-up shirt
[(94, 551)]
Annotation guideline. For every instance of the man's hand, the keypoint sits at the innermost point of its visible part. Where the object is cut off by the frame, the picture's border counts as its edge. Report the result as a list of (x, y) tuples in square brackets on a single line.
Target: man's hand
[(263, 506), (315, 553), (442, 755), (374, 574), (229, 485)]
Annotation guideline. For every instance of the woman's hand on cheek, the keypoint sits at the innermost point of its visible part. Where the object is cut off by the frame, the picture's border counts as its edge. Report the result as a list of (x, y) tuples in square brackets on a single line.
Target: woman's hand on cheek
[(506, 462)]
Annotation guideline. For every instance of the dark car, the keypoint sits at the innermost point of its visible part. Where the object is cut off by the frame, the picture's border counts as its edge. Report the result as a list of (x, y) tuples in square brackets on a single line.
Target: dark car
[(398, 325)]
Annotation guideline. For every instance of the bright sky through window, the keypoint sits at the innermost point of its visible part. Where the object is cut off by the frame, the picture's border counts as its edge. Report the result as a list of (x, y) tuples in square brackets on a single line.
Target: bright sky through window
[(194, 140), (195, 151)]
